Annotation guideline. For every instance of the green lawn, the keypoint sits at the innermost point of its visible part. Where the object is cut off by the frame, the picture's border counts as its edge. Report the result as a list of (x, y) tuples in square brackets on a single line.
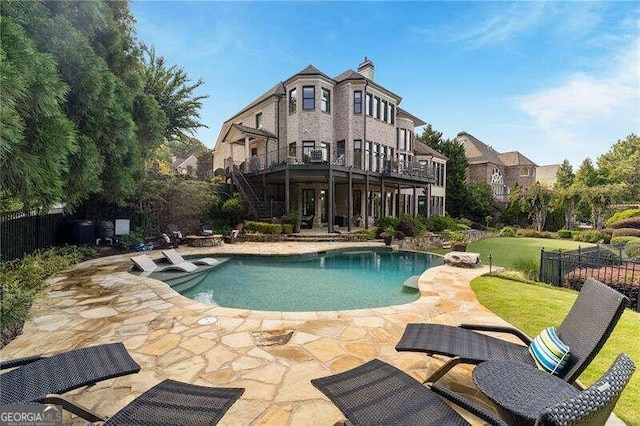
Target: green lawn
[(534, 307), (505, 251)]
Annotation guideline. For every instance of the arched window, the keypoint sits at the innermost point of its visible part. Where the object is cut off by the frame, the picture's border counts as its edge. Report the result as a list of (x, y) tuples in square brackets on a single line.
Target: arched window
[(524, 171), (496, 176)]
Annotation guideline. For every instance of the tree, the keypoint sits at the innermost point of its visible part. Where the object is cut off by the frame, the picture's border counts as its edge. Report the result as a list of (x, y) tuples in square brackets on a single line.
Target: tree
[(205, 165), (431, 137), (536, 200), (566, 194), (622, 164), (36, 138), (564, 176), (186, 147), (587, 175), (171, 88), (478, 205), (600, 197), (456, 177)]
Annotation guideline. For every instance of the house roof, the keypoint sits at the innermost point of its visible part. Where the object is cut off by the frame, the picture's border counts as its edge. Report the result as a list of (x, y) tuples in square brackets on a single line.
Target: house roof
[(251, 131), (546, 175), (515, 158), (478, 152), (310, 70), (423, 149), (416, 121), (276, 90), (177, 162)]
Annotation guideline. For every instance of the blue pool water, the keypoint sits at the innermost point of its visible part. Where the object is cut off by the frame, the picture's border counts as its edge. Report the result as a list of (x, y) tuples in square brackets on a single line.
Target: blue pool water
[(325, 282)]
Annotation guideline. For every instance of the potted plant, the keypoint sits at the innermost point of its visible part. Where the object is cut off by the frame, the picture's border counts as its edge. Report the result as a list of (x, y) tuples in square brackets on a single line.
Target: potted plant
[(459, 241), (293, 218), (387, 235)]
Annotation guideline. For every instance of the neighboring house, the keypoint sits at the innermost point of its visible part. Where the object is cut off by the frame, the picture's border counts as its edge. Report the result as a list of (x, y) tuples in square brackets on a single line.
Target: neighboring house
[(546, 175), (338, 149), (500, 171), (185, 166)]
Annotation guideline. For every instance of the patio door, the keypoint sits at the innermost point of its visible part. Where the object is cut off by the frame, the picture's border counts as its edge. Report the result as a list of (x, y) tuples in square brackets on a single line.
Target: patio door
[(324, 205), (308, 202)]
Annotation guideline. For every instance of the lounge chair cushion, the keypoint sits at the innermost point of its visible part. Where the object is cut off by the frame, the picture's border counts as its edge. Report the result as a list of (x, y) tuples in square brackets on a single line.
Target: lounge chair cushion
[(549, 352)]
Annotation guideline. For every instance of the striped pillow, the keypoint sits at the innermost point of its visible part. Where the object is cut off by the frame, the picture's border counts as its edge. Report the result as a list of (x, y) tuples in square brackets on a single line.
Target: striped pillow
[(549, 352)]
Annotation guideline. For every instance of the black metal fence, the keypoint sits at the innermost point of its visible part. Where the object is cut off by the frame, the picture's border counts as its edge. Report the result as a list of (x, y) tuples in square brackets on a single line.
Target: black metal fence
[(571, 268), (24, 232)]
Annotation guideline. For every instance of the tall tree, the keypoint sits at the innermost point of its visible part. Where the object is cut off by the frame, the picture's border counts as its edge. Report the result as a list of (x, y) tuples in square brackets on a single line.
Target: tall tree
[(186, 147), (36, 139), (171, 87), (600, 197), (587, 174), (456, 177), (431, 137), (566, 194), (564, 176), (622, 164), (537, 202)]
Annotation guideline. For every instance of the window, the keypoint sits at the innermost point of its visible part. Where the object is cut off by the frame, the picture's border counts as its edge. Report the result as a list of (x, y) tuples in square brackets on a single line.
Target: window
[(325, 102), (307, 147), (254, 151), (308, 97), (357, 202), (367, 155), (392, 114), (374, 157), (292, 149), (308, 202), (357, 102), (293, 100), (524, 171), (259, 120), (409, 140), (357, 153), (402, 144), (369, 104), (385, 111), (376, 107), (340, 153)]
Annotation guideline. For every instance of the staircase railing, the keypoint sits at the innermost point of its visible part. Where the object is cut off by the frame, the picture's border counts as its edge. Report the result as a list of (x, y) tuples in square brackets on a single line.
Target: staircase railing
[(245, 188)]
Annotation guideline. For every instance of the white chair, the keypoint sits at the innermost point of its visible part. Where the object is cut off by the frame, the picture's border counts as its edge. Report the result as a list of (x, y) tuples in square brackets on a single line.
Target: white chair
[(147, 265), (176, 258)]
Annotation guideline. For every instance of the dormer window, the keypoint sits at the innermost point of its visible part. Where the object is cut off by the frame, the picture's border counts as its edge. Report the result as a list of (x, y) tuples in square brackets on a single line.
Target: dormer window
[(259, 120), (308, 97)]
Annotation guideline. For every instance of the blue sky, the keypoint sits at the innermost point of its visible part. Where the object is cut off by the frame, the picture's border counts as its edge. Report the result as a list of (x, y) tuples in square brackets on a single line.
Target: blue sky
[(553, 80)]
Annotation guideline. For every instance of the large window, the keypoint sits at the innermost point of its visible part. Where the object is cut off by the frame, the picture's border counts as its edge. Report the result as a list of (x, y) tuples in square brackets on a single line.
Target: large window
[(357, 102), (293, 100), (369, 104), (392, 114), (357, 153), (376, 106), (385, 111), (308, 97), (308, 202), (367, 155), (259, 120), (340, 153), (325, 102), (307, 147), (326, 151)]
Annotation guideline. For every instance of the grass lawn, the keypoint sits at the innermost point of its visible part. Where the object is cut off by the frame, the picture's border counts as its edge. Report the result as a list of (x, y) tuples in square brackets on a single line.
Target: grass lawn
[(534, 307), (505, 251)]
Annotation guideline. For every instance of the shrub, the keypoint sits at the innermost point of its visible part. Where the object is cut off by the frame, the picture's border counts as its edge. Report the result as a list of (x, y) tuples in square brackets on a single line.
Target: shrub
[(624, 214), (625, 240), (564, 233), (508, 231), (235, 209), (591, 236), (626, 232), (262, 227), (462, 227), (464, 221), (625, 280), (370, 233), (633, 250), (407, 228), (287, 228), (399, 235), (529, 266), (529, 233), (440, 223), (418, 223), (632, 222), (386, 222)]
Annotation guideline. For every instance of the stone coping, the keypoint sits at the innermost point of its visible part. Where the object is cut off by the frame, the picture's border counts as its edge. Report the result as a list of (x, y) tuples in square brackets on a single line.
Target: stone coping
[(273, 355)]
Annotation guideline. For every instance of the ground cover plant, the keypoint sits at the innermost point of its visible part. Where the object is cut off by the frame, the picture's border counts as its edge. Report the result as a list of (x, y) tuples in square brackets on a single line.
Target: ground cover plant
[(534, 307)]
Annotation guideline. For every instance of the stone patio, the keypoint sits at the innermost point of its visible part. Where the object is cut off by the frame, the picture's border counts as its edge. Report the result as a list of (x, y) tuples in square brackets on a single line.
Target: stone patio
[(273, 355)]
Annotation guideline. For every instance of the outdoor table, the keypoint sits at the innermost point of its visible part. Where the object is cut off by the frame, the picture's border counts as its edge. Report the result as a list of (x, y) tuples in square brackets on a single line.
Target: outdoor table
[(520, 391), (204, 240)]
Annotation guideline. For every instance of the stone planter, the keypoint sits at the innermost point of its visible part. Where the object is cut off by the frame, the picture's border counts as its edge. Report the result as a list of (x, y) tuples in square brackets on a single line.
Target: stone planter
[(388, 240)]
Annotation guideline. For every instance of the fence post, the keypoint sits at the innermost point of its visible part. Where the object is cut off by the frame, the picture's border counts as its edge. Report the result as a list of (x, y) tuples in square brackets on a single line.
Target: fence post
[(542, 266), (559, 279)]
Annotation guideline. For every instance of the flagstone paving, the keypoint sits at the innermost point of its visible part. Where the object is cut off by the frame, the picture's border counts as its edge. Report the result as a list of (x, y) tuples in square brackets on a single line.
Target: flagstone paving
[(273, 355)]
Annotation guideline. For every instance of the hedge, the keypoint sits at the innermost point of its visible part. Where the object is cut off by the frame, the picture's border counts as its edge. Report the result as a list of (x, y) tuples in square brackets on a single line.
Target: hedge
[(633, 250), (625, 240), (508, 231), (626, 232), (565, 233), (632, 222), (625, 280), (591, 236), (624, 214), (262, 227)]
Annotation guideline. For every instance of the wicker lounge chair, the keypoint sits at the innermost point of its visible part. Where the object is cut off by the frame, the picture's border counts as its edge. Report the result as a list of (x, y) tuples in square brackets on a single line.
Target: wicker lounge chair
[(147, 265), (41, 379), (377, 393), (176, 259), (585, 329)]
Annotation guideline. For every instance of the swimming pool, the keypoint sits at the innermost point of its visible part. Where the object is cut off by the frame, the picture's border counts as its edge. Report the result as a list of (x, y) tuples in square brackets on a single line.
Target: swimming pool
[(336, 280)]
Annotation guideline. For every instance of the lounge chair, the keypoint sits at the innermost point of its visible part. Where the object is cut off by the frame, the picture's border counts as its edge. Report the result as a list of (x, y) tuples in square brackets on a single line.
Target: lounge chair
[(40, 380), (230, 239), (147, 265), (176, 259), (585, 329), (377, 393), (307, 221)]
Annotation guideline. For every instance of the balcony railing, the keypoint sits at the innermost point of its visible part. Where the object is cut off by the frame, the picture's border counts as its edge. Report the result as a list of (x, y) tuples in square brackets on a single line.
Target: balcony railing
[(257, 163)]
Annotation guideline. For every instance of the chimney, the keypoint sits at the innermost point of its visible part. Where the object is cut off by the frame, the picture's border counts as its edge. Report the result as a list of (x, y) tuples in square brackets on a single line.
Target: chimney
[(366, 68)]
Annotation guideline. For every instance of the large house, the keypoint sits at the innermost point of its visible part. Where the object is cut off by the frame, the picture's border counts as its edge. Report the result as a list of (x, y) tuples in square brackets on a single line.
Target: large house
[(500, 170), (339, 151)]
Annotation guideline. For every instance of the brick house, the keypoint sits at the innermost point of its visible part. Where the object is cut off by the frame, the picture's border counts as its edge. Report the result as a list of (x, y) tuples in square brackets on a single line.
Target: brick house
[(339, 151), (500, 170)]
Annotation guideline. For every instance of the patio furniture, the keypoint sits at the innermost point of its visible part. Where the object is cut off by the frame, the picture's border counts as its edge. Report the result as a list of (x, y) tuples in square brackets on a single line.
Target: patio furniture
[(176, 258), (230, 239), (585, 329), (526, 395), (377, 393), (307, 221), (41, 379), (176, 403), (147, 265)]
